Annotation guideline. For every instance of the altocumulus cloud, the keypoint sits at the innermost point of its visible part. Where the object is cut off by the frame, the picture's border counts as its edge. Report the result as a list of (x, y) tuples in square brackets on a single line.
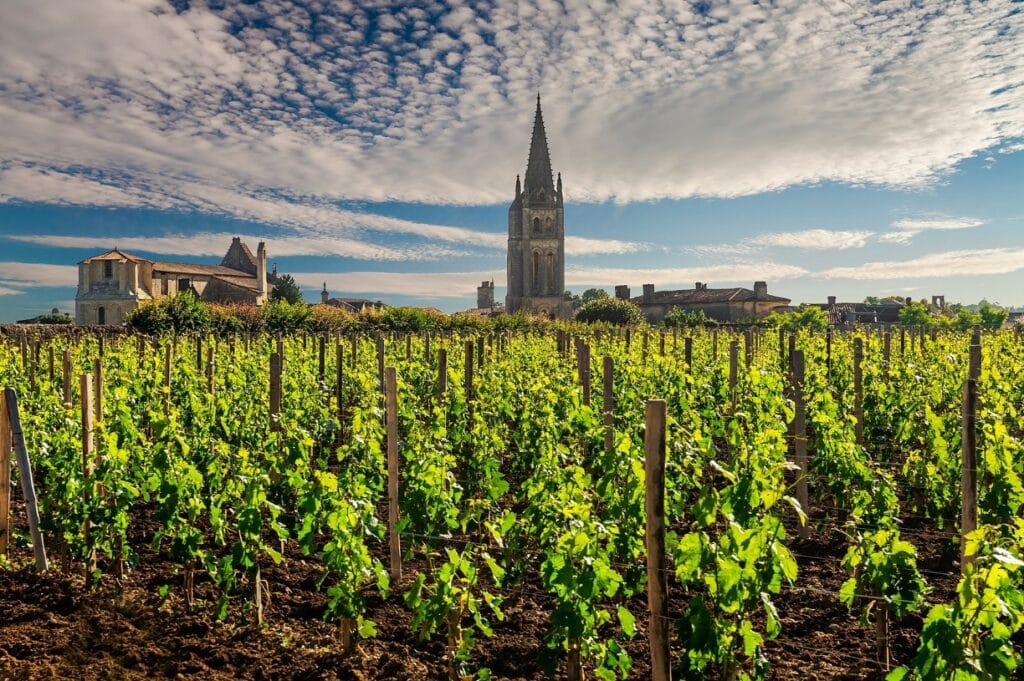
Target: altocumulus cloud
[(269, 110)]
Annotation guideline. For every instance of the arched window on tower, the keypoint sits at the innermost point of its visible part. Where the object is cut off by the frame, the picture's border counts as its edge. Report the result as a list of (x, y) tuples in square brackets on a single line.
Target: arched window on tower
[(551, 274), (535, 285), (101, 315), (536, 224), (549, 225)]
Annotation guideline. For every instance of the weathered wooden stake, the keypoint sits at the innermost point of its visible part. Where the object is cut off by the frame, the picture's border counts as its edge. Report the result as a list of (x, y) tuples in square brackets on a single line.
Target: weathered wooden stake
[(608, 405), (734, 352), (657, 582), (858, 388), (661, 344), (688, 353), (583, 368), (88, 465), (5, 476), (67, 378), (275, 392), (969, 471), (211, 385), (391, 416), (468, 378), (339, 370), (800, 439), (28, 489), (442, 375), (322, 359)]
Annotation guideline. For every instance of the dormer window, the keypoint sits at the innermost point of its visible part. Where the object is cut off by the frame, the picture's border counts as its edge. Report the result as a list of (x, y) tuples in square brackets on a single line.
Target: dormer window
[(108, 269)]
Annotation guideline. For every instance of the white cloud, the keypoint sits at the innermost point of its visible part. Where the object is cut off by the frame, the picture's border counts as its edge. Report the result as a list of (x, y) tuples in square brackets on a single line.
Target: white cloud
[(908, 228), (641, 100), (24, 274), (815, 239), (947, 264)]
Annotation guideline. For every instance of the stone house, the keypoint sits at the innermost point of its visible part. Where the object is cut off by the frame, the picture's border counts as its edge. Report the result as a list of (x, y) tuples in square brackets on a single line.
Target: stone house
[(721, 304), (350, 304), (112, 284), (850, 314)]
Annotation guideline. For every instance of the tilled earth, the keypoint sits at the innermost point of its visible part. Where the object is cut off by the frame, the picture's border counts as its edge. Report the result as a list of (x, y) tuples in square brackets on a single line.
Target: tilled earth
[(52, 627)]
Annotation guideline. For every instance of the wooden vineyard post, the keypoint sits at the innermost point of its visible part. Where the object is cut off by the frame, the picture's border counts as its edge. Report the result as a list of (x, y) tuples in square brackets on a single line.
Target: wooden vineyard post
[(657, 582), (199, 354), (468, 378), (629, 337), (322, 359), (427, 357), (903, 341), (391, 416), (97, 368), (583, 367), (661, 344), (442, 376), (643, 350), (800, 439), (6, 446), (211, 385), (28, 489), (828, 354), (408, 346), (67, 378), (714, 344), (968, 448), (50, 349), (85, 383), (734, 351), (380, 362), (783, 359), (886, 350), (688, 353), (858, 388), (480, 352), (339, 370), (608, 379), (275, 392), (280, 350), (748, 348)]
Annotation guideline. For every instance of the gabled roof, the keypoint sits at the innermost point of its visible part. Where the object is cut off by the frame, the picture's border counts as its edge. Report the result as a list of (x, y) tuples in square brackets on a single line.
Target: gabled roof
[(239, 257), (116, 255), (708, 295)]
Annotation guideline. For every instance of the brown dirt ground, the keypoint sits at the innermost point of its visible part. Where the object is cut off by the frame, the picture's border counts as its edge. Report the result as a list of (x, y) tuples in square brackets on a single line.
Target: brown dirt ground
[(52, 627)]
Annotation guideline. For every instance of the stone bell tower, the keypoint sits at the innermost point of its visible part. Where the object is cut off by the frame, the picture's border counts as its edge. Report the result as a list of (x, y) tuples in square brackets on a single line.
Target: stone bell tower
[(536, 236)]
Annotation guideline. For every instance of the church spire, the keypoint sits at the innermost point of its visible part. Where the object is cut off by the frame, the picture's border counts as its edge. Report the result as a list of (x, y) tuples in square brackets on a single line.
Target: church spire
[(538, 168)]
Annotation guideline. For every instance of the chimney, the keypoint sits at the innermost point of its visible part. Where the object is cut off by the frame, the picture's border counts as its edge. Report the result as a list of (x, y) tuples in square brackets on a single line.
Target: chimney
[(697, 286), (622, 292), (939, 302), (907, 300), (324, 296), (648, 293), (760, 290), (261, 270), (831, 301)]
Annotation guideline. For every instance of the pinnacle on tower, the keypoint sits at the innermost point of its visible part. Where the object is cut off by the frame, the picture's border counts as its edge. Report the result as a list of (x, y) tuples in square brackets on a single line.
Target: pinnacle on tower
[(538, 167)]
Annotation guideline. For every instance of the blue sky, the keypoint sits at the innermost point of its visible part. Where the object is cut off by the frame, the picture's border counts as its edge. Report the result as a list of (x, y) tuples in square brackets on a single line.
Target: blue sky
[(845, 148)]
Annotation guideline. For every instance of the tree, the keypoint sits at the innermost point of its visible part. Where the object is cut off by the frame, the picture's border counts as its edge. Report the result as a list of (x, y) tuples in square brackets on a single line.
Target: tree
[(804, 317), (573, 299), (610, 310), (285, 288), (992, 316), (593, 294), (915, 314), (677, 317), (966, 319)]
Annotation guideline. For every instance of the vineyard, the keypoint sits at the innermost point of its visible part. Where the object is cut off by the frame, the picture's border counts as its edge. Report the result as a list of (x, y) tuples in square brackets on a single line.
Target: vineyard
[(584, 503)]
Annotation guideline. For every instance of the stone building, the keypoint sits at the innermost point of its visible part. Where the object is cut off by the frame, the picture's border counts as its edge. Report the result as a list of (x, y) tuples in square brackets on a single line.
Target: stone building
[(850, 314), (112, 284), (536, 236), (721, 304), (350, 304), (485, 295)]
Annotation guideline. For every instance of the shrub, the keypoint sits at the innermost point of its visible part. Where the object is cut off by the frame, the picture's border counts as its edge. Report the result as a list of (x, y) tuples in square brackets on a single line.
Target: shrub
[(611, 310), (677, 317), (285, 317), (804, 317)]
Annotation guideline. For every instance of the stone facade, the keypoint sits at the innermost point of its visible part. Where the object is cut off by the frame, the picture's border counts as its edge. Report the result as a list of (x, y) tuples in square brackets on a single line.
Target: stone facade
[(721, 304), (485, 295), (112, 284), (536, 236)]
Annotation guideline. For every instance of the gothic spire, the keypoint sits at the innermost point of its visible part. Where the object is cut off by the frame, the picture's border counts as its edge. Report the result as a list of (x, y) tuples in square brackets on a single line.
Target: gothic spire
[(538, 168)]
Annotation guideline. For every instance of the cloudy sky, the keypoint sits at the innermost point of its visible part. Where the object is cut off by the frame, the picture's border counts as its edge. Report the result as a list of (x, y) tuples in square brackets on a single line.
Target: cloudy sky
[(829, 146)]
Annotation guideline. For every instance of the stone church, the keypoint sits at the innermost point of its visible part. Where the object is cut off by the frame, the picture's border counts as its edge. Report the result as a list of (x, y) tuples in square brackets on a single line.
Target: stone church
[(536, 236), (112, 284)]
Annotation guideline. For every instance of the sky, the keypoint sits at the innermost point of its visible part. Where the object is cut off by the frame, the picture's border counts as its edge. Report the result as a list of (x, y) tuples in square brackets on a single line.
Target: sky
[(832, 147)]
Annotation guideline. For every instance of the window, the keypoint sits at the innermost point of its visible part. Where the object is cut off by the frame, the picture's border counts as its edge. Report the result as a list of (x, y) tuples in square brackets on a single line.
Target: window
[(101, 315), (536, 224), (549, 225), (535, 284), (164, 285), (184, 285), (551, 274), (108, 270)]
